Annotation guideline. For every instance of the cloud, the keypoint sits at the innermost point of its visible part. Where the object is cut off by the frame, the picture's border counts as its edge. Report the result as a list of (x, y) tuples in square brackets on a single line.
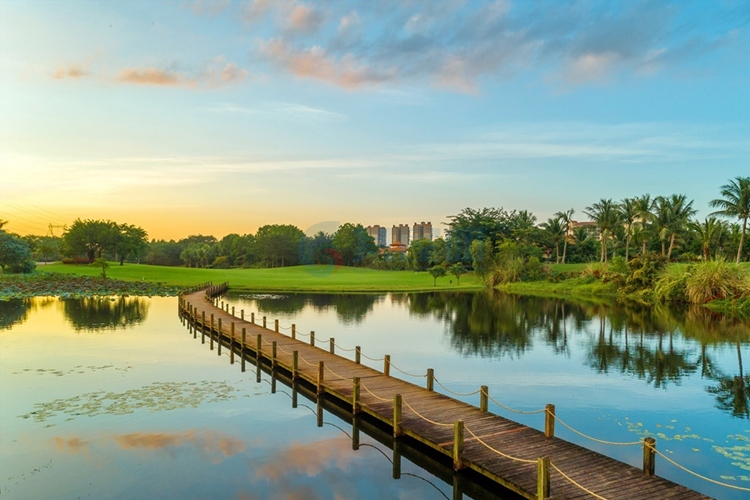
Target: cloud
[(215, 73), (70, 71), (304, 19), (208, 442), (154, 76), (72, 446)]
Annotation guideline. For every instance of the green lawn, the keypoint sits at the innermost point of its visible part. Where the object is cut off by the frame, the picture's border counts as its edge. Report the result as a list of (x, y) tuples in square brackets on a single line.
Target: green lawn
[(298, 278)]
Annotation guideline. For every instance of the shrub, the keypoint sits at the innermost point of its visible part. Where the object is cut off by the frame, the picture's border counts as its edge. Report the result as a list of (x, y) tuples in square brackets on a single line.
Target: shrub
[(76, 260), (643, 271), (533, 270), (670, 286), (715, 280)]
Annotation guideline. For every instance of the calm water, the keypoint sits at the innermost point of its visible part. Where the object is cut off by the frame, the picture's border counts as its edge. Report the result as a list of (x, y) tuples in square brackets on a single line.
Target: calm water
[(113, 399)]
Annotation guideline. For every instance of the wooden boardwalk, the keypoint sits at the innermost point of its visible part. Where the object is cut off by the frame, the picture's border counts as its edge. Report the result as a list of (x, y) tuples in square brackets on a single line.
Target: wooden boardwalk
[(522, 459)]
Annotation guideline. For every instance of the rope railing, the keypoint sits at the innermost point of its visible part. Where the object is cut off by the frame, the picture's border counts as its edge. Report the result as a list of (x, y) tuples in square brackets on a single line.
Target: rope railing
[(425, 418), (371, 359), (334, 373), (362, 384), (571, 481), (343, 348), (522, 460), (531, 412), (682, 467), (456, 393), (613, 443), (406, 373)]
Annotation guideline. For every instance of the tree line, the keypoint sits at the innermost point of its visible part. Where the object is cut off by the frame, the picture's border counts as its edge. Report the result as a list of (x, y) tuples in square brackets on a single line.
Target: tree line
[(475, 238)]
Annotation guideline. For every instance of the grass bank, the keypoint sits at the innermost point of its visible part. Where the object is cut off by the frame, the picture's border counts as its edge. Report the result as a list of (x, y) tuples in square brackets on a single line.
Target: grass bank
[(283, 279)]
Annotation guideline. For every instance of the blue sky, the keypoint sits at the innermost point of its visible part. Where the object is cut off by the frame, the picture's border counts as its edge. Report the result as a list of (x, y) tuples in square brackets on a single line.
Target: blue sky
[(217, 117)]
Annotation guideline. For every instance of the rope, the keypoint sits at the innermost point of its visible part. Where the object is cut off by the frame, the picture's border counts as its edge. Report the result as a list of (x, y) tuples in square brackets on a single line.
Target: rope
[(662, 455), (633, 443), (453, 392), (334, 373), (361, 384), (423, 417), (514, 410), (303, 334), (406, 373), (304, 360), (343, 348), (285, 327), (522, 460), (371, 359), (576, 484)]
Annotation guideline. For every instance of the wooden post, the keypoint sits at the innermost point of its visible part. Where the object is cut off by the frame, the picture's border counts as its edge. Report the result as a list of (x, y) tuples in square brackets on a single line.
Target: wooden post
[(252, 318), (312, 338), (273, 354), (320, 377), (484, 396), (320, 411), (211, 332), (294, 394), (332, 345), (232, 310), (203, 321), (242, 314), (231, 345), (218, 337), (396, 459), (295, 365), (264, 321), (430, 379), (294, 331), (242, 348), (358, 355), (542, 478), (649, 456), (276, 325), (387, 365), (355, 396), (259, 349), (458, 444), (397, 400), (355, 433), (222, 305), (549, 421)]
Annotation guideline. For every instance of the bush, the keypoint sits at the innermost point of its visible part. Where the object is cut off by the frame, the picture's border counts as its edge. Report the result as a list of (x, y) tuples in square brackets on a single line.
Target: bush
[(220, 262), (716, 280), (670, 286), (76, 260), (643, 271), (533, 270)]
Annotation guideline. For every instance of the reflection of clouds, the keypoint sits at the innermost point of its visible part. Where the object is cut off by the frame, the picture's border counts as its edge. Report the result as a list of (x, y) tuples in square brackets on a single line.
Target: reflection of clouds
[(308, 458), (207, 442), (71, 446)]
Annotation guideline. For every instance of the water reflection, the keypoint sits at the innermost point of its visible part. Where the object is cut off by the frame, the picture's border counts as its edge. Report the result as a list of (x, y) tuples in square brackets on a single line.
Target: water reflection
[(105, 313), (350, 308), (16, 311)]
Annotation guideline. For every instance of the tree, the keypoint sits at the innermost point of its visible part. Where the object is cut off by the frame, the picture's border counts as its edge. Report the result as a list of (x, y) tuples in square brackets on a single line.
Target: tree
[(457, 270), (92, 237), (132, 241), (708, 232), (353, 243), (556, 232), (278, 244), (606, 216), (673, 214), (15, 254), (482, 256), (419, 254), (629, 214), (437, 272), (735, 203), (471, 225), (644, 207), (566, 218), (101, 262)]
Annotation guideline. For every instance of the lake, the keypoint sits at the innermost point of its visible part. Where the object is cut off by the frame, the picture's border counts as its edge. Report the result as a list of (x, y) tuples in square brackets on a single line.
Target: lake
[(112, 398)]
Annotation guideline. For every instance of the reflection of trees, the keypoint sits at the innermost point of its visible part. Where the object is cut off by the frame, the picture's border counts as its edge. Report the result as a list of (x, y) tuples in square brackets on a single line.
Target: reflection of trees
[(350, 308), (105, 313), (14, 311)]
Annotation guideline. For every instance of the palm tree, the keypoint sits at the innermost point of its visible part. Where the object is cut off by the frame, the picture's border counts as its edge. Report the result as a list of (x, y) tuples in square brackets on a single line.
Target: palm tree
[(644, 206), (605, 214), (735, 203), (708, 232), (672, 215), (629, 215), (566, 218), (556, 231)]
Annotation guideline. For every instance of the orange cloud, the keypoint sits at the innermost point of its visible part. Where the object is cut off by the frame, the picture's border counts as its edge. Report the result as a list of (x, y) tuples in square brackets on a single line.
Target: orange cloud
[(71, 71), (346, 72), (209, 442), (153, 76), (304, 19), (309, 458)]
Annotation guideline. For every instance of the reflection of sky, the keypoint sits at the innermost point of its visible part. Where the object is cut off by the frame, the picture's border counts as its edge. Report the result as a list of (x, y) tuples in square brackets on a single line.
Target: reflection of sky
[(613, 406), (248, 444)]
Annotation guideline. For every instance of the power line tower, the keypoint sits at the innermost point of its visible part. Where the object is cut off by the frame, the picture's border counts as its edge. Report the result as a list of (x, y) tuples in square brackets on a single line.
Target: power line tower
[(52, 227)]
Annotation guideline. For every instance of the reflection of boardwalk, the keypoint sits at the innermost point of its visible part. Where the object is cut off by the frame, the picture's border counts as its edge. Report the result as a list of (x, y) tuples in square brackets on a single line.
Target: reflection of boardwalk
[(502, 450)]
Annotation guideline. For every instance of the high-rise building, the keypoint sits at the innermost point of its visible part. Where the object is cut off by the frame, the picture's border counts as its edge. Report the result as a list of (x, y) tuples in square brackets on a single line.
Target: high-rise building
[(378, 233), (423, 230), (400, 234)]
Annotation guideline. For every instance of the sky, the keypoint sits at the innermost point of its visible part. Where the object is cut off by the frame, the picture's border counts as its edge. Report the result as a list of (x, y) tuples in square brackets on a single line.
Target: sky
[(217, 117)]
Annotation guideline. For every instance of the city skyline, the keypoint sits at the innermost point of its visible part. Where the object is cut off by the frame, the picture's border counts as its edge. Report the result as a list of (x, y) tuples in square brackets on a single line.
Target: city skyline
[(217, 117)]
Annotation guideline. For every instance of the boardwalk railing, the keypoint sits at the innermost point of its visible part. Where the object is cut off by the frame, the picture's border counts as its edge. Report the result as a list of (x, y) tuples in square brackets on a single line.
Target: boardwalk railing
[(388, 406)]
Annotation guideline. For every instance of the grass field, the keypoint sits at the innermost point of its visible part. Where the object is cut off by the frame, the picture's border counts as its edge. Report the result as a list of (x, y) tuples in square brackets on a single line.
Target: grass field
[(298, 278)]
